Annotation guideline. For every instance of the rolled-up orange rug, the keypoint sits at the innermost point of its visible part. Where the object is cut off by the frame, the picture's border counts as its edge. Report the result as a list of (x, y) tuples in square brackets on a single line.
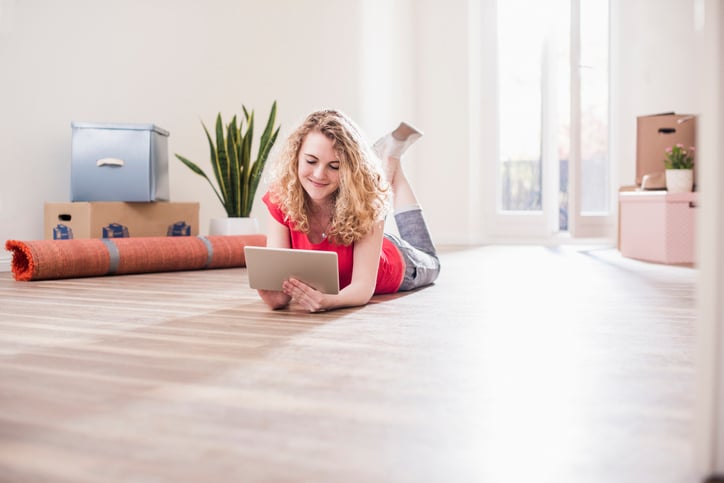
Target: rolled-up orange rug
[(92, 257)]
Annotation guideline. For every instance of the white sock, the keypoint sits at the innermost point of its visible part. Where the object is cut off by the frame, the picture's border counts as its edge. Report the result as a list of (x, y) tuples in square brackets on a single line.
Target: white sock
[(389, 146)]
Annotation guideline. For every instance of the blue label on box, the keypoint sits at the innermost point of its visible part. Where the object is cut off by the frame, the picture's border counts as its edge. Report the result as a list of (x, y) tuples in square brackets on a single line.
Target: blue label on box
[(180, 228), (62, 232), (115, 230)]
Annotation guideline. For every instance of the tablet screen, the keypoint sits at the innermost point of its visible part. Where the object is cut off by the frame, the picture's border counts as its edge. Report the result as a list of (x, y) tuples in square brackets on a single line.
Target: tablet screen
[(269, 267)]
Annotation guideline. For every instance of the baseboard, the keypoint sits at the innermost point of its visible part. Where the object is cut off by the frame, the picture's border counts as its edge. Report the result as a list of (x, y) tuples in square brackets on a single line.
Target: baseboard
[(5, 262)]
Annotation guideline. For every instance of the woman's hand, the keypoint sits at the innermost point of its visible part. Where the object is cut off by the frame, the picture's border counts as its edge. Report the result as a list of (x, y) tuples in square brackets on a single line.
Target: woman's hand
[(274, 299), (358, 292), (309, 298)]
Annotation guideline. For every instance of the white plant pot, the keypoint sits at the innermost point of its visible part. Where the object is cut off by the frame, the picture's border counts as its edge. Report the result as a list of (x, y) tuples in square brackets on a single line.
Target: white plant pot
[(679, 180), (233, 226)]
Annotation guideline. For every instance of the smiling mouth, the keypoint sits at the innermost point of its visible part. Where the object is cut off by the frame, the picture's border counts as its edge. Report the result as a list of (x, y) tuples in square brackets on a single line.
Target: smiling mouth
[(317, 183)]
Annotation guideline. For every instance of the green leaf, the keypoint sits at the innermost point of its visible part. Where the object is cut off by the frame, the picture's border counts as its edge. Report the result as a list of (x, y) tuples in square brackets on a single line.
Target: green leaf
[(232, 150), (230, 156), (222, 161), (264, 144), (246, 162), (258, 168), (200, 172), (267, 141), (213, 156)]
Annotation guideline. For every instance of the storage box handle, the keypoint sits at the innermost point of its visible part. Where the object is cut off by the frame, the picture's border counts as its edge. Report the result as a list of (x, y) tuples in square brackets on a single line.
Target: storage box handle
[(110, 162)]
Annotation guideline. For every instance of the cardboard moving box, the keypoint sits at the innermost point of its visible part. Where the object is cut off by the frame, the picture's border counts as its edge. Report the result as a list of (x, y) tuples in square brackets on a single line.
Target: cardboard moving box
[(111, 219), (654, 225), (657, 132)]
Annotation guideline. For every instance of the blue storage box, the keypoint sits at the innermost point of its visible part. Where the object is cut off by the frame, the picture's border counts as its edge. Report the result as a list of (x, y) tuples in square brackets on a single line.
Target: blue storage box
[(118, 162)]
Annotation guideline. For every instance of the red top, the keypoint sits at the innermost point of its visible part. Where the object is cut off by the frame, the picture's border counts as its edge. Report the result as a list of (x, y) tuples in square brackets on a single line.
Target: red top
[(391, 269)]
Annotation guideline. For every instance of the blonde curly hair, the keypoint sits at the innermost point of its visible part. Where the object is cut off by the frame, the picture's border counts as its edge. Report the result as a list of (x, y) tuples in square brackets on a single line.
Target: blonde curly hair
[(362, 197)]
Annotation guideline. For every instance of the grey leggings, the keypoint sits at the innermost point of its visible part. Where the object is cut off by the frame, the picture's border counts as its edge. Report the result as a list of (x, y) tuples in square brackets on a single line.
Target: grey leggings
[(422, 265)]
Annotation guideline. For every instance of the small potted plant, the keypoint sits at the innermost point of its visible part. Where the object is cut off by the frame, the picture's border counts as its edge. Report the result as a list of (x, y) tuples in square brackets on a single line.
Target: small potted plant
[(236, 175), (679, 163)]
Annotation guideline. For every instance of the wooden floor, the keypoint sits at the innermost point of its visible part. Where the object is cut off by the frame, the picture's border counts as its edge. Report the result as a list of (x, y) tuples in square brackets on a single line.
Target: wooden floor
[(521, 364)]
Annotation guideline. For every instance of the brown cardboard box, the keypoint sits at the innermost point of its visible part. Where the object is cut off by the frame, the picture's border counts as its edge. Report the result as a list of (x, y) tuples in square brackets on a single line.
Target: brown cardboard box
[(657, 132), (111, 219)]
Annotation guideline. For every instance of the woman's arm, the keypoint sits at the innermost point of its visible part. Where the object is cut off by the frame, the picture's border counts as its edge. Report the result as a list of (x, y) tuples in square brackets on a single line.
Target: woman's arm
[(277, 237), (364, 278)]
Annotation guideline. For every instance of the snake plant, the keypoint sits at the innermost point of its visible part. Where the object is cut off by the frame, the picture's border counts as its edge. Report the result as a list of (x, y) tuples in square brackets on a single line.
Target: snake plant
[(231, 159)]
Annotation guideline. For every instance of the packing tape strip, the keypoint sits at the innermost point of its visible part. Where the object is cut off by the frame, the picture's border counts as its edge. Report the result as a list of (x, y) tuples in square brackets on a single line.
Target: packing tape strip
[(113, 253), (209, 250)]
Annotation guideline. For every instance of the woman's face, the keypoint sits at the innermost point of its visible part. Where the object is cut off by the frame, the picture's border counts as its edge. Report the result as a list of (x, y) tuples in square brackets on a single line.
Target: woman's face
[(318, 169)]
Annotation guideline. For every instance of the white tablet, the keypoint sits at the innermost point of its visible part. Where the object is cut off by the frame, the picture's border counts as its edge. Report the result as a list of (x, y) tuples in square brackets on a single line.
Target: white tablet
[(269, 267)]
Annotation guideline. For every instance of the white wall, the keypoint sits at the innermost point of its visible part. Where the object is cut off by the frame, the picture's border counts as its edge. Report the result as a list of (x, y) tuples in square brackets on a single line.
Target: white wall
[(652, 53), (709, 72), (161, 61), (443, 105), (174, 63)]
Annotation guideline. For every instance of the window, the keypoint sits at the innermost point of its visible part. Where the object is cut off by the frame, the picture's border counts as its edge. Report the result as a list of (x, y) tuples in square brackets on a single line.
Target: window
[(547, 150)]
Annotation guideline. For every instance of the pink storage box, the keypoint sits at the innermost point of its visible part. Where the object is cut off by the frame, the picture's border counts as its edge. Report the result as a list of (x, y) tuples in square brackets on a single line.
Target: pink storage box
[(657, 226)]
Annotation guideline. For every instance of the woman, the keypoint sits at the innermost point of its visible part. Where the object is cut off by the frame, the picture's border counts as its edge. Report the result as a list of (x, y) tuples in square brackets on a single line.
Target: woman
[(328, 192)]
